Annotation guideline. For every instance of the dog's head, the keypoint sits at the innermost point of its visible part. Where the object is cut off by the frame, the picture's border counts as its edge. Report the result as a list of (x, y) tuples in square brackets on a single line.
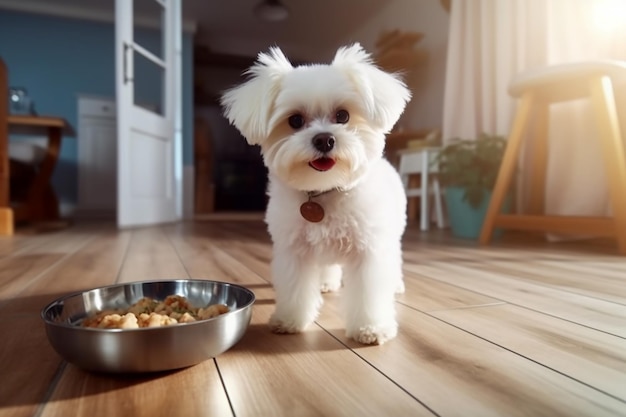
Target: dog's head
[(319, 126)]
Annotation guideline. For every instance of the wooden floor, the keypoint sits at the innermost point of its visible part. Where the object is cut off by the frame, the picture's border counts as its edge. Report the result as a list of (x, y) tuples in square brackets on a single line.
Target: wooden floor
[(515, 329)]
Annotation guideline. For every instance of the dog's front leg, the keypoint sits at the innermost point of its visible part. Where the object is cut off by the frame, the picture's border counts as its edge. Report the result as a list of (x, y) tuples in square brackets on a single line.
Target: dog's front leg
[(370, 282), (296, 281)]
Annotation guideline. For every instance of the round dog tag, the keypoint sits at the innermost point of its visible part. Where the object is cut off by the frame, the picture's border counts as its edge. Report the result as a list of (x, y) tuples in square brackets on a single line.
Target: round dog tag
[(312, 211)]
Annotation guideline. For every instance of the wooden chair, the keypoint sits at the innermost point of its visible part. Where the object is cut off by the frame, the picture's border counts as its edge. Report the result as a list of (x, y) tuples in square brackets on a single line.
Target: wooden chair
[(536, 90), (36, 200)]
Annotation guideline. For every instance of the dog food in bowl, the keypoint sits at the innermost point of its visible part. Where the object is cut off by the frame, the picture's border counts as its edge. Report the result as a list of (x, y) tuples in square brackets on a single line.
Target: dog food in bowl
[(149, 312), (146, 349)]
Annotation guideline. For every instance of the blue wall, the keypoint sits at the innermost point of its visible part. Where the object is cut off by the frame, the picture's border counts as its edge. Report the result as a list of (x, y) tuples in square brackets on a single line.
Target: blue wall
[(57, 58)]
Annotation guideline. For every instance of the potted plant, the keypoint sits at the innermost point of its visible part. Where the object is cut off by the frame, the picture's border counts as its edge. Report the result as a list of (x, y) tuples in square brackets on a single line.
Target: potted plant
[(468, 169)]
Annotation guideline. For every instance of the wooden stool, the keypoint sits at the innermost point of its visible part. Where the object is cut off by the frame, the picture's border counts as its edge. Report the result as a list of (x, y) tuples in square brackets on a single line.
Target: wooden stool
[(538, 89)]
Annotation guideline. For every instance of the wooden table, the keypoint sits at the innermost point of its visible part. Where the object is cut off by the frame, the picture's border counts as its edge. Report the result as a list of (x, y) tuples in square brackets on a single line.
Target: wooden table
[(41, 203)]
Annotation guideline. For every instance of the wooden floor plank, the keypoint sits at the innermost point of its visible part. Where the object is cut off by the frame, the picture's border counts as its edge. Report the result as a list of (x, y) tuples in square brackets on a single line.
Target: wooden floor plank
[(550, 342), (28, 363), (439, 245), (322, 376), (253, 251), (19, 271), (151, 257), (598, 314), (455, 373), (204, 259), (579, 280), (594, 358), (426, 294), (606, 269), (20, 243), (95, 263), (12, 245), (148, 255), (195, 391), (328, 375), (28, 240), (615, 268)]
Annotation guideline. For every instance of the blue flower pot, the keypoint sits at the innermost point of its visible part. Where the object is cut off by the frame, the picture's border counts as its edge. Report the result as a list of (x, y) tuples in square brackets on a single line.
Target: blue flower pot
[(466, 221)]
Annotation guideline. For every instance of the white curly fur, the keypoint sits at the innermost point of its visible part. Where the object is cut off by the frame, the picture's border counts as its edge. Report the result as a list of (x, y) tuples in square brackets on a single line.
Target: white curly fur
[(358, 243)]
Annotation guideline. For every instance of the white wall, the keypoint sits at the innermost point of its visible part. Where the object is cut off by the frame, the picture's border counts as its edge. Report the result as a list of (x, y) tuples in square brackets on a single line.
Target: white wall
[(428, 17)]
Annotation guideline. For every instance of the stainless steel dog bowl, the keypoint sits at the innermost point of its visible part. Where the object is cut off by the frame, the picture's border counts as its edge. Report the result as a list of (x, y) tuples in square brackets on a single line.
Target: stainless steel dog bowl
[(147, 349)]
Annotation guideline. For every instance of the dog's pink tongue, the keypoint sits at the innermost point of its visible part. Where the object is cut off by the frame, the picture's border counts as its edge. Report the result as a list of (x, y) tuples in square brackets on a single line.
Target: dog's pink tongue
[(322, 164)]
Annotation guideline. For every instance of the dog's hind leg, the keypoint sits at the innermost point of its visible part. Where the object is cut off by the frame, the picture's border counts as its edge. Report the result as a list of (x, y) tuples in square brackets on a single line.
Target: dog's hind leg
[(330, 278)]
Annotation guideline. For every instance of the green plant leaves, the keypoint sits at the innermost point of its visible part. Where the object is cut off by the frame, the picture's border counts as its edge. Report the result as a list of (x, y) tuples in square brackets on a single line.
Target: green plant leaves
[(471, 164)]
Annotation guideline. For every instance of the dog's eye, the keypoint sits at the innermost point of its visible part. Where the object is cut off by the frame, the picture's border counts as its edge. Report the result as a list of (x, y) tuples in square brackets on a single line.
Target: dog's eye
[(342, 116), (296, 121)]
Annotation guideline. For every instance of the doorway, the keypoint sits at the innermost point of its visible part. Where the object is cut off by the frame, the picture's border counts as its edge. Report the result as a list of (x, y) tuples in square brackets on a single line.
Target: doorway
[(229, 174)]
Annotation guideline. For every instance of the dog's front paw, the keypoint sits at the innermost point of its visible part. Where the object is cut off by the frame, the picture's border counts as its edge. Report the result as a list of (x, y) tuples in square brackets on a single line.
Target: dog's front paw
[(374, 335), (281, 325)]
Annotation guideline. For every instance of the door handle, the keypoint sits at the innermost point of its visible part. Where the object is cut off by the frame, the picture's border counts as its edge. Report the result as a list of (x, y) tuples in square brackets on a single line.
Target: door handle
[(128, 63)]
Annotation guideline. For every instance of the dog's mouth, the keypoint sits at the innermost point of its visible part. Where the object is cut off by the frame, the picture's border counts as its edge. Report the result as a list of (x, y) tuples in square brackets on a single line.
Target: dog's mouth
[(322, 164)]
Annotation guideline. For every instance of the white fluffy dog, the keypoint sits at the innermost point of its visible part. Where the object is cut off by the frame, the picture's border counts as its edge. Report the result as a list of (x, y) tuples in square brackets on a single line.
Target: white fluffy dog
[(337, 208)]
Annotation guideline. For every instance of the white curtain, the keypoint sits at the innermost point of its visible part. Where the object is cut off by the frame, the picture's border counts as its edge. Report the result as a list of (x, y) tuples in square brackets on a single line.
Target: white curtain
[(490, 41)]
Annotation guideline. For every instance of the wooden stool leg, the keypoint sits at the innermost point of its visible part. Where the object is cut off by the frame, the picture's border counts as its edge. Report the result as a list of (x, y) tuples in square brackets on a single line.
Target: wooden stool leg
[(438, 205), (614, 152), (507, 168), (537, 197), (424, 213)]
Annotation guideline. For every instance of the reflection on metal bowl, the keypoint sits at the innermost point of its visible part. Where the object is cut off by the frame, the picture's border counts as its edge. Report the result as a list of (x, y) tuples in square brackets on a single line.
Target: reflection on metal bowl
[(147, 349)]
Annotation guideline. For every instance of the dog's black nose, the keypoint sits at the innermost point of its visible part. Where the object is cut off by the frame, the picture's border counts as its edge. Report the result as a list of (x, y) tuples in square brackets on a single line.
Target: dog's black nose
[(324, 142)]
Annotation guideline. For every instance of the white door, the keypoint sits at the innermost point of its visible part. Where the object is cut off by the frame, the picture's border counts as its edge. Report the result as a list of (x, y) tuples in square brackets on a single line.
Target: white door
[(148, 80)]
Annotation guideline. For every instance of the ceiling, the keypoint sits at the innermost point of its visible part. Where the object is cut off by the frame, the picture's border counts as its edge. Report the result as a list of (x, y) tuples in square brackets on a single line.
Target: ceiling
[(312, 25), (231, 26)]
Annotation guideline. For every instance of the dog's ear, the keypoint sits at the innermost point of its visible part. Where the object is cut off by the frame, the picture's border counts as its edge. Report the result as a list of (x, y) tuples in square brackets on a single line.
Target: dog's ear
[(385, 95), (249, 105)]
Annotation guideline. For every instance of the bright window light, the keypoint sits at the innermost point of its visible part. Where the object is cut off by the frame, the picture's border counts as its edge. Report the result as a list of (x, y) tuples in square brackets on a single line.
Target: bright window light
[(609, 15)]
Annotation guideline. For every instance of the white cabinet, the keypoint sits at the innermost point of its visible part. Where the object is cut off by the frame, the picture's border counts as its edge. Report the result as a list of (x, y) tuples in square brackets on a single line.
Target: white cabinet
[(97, 157)]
